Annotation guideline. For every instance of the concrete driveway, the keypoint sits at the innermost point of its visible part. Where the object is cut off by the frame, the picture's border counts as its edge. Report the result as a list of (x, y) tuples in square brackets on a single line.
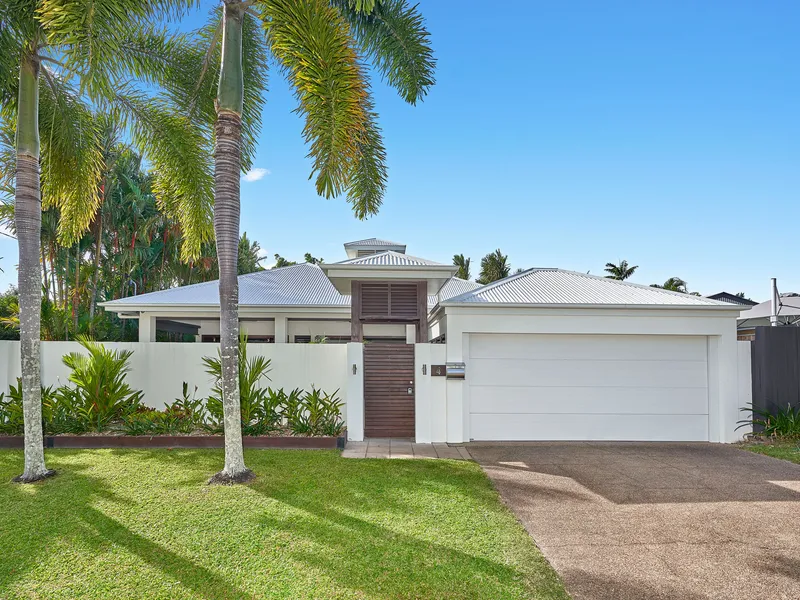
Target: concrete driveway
[(656, 521)]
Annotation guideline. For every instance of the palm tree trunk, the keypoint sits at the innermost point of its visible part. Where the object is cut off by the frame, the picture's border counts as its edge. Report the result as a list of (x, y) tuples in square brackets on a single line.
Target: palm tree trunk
[(227, 170), (75, 296), (44, 272), (28, 210), (98, 249)]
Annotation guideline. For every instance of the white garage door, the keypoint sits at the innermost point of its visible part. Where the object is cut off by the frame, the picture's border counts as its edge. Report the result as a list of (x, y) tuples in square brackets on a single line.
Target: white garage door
[(588, 387)]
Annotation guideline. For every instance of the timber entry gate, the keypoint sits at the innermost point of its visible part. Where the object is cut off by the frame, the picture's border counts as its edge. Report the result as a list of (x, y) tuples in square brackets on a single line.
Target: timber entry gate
[(389, 390)]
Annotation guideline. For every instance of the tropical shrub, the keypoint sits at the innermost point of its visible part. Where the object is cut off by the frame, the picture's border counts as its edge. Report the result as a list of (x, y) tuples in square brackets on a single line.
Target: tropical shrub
[(783, 423), (101, 394), (314, 413), (11, 415), (255, 401)]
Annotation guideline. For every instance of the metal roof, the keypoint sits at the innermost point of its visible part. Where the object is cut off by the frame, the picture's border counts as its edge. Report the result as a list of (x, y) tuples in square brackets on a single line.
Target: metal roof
[(371, 242), (452, 288), (732, 299), (297, 285), (557, 287), (389, 258)]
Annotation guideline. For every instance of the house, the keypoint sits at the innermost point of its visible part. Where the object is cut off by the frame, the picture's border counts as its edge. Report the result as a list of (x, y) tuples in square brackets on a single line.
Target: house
[(546, 354), (732, 298), (787, 313)]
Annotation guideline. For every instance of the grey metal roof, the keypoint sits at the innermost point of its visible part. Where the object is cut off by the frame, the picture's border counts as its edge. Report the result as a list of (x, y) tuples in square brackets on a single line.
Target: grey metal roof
[(298, 285), (453, 287), (389, 258), (371, 242), (557, 287)]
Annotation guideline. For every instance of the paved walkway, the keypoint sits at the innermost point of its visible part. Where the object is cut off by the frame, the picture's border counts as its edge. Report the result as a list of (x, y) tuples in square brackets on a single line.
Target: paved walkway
[(398, 448), (656, 521)]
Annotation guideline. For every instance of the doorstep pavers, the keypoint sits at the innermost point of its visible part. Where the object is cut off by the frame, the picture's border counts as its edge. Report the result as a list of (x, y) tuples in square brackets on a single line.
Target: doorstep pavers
[(393, 448)]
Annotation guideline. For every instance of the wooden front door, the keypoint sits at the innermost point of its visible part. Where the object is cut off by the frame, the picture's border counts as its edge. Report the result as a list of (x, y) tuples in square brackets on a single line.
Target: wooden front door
[(389, 390)]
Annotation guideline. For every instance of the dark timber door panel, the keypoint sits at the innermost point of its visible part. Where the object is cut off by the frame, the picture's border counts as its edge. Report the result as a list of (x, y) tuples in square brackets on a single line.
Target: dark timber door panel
[(388, 377)]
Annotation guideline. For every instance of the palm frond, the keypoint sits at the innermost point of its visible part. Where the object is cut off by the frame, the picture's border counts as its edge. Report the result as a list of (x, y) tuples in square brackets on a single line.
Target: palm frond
[(71, 157), (393, 37), (90, 34), (183, 183), (367, 181), (312, 43)]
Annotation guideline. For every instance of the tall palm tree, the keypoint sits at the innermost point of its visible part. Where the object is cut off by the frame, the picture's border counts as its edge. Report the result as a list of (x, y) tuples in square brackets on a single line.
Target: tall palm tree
[(673, 284), (463, 266), (56, 59), (319, 46), (494, 266), (621, 271)]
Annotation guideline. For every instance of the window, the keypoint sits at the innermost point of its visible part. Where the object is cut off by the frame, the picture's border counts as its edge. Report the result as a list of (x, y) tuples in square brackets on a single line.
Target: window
[(258, 339), (322, 339)]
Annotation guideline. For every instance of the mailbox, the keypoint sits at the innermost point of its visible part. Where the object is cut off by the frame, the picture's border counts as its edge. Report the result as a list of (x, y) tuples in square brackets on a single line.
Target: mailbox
[(456, 370)]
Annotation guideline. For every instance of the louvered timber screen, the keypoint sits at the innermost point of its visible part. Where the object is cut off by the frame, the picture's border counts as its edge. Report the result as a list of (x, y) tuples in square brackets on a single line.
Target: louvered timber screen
[(389, 300)]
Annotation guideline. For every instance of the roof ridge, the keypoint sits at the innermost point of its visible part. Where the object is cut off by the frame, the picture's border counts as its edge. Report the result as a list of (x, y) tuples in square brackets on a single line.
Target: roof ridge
[(376, 239)]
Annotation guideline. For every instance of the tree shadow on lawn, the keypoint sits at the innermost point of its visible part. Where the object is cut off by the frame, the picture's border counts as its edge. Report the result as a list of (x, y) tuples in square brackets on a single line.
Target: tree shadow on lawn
[(62, 509), (361, 534)]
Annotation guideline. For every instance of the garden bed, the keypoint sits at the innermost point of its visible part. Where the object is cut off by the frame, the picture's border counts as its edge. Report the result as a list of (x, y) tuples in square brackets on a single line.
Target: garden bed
[(177, 441)]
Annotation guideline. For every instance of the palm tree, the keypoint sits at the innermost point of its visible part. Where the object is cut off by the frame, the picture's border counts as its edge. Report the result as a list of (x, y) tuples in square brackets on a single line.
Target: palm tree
[(673, 284), (621, 271), (494, 266), (319, 45), (57, 59), (463, 266)]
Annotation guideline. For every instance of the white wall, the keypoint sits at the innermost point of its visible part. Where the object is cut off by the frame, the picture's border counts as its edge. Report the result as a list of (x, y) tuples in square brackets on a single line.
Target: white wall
[(430, 408), (159, 369), (355, 391), (745, 380)]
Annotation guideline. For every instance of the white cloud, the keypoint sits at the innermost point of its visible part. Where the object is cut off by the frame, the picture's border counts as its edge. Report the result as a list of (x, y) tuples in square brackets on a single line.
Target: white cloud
[(256, 174)]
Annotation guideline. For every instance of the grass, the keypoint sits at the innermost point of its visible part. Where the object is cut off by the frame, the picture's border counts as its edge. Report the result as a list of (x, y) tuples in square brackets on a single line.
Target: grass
[(779, 449), (143, 524)]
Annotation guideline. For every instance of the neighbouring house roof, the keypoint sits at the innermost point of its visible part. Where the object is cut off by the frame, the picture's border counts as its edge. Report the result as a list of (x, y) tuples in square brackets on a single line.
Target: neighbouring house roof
[(390, 258), (732, 299), (297, 285), (558, 287), (788, 311), (373, 242)]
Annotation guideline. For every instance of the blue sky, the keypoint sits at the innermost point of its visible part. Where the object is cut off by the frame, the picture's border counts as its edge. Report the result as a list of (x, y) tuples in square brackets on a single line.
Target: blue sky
[(569, 135)]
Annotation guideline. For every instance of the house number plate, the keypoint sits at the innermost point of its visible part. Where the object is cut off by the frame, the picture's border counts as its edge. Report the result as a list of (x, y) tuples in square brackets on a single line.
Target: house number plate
[(438, 370)]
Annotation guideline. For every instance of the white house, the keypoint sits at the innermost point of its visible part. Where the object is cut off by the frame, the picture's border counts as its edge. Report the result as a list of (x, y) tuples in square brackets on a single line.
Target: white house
[(545, 354)]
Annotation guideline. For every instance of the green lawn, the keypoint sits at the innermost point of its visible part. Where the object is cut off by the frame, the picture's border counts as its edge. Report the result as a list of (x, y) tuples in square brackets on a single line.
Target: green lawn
[(143, 524), (785, 450)]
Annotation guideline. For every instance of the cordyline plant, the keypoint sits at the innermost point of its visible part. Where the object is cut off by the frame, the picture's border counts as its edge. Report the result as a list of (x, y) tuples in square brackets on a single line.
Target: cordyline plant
[(61, 61), (320, 47)]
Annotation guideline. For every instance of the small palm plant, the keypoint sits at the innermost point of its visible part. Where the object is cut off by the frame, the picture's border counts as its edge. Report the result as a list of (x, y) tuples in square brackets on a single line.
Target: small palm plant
[(101, 394), (252, 397)]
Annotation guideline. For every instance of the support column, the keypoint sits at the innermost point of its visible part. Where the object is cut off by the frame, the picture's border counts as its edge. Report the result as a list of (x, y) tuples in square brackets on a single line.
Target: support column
[(355, 392), (356, 327), (147, 327), (281, 329)]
